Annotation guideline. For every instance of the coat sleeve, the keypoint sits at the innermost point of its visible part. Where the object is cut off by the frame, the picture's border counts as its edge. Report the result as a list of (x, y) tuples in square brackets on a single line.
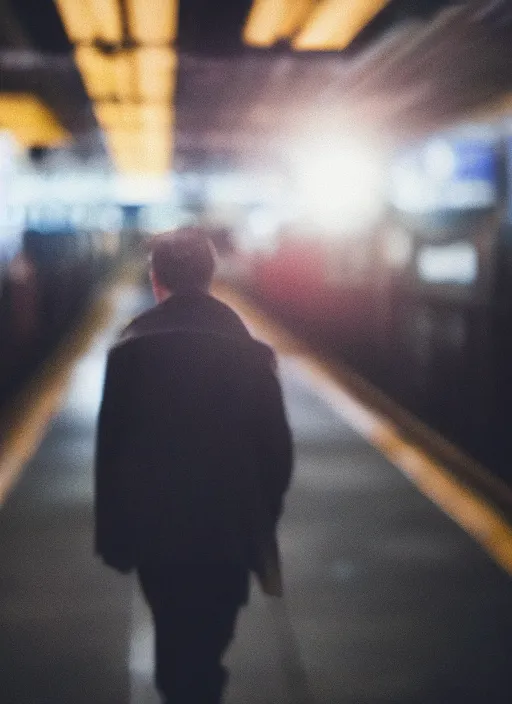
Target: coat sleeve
[(114, 493)]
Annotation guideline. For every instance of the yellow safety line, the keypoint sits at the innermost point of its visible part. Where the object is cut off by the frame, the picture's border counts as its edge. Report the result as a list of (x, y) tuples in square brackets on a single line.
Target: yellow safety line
[(465, 506), (27, 422), (43, 397)]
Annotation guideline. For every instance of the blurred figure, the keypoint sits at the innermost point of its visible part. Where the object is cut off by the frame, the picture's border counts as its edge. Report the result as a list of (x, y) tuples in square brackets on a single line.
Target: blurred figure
[(24, 291), (222, 238), (194, 455), (19, 321)]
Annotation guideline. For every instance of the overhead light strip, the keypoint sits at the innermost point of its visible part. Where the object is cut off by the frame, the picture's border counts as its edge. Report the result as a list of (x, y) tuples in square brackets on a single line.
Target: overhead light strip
[(309, 25), (133, 117), (105, 76), (270, 21), (30, 120), (88, 20), (143, 152), (156, 70), (132, 85), (153, 21), (142, 74), (334, 24)]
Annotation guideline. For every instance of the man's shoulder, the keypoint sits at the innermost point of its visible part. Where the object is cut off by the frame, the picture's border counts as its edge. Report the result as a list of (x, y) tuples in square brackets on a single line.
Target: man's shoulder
[(212, 320), (223, 312), (203, 312), (138, 325)]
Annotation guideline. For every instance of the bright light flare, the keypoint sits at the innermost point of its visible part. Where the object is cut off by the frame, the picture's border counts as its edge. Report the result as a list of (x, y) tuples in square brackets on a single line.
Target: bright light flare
[(142, 189), (261, 232), (340, 184)]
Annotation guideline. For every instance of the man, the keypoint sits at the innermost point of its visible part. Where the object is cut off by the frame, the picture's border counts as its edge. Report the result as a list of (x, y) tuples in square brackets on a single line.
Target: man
[(193, 458)]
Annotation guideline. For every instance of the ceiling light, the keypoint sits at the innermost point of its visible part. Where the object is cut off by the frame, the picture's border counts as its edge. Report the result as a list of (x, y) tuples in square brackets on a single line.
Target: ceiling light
[(153, 21), (335, 23), (155, 70), (272, 20), (456, 263), (135, 117), (30, 120), (138, 137), (340, 182), (140, 152), (146, 73), (87, 20), (105, 75)]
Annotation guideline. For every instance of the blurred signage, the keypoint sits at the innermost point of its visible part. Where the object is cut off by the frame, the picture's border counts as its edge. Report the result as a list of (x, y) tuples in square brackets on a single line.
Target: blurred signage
[(161, 217), (66, 201), (446, 173), (11, 220), (67, 187), (452, 264), (508, 148), (140, 189), (65, 218), (243, 188)]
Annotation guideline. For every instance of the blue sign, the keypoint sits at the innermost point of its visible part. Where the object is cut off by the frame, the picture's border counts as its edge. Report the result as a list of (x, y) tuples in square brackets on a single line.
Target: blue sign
[(447, 173), (474, 161), (508, 148)]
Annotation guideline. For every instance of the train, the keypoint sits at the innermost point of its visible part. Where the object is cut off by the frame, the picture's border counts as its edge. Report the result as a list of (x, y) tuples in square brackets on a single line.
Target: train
[(50, 267), (419, 303)]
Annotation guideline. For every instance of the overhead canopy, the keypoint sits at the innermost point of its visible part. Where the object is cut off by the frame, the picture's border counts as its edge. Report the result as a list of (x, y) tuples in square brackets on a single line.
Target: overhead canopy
[(243, 78)]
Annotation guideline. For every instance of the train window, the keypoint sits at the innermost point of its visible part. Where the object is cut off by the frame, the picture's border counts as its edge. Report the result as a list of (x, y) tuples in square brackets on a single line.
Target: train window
[(508, 148), (455, 264), (446, 173)]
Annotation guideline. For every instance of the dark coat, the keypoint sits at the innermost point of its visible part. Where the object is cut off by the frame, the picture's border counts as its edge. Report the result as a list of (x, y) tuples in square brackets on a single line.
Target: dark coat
[(194, 452)]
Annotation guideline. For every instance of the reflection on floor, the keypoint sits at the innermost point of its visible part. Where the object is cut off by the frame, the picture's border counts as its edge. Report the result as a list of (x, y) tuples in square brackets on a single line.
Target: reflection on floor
[(389, 599)]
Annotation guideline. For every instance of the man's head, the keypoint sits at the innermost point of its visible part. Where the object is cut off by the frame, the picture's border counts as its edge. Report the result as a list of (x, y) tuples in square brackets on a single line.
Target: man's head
[(183, 260)]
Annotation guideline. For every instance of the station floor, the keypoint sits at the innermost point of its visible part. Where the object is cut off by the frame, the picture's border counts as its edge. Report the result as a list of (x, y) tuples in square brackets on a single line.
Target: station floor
[(389, 600)]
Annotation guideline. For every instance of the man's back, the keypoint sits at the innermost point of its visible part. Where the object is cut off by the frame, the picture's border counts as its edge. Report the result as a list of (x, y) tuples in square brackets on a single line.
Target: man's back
[(193, 429)]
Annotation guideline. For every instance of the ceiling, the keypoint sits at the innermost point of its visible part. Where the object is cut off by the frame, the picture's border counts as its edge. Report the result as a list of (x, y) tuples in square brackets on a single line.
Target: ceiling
[(415, 66)]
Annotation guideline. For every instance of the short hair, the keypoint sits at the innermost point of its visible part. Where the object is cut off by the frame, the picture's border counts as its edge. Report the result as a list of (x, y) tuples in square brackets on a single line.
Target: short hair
[(184, 259)]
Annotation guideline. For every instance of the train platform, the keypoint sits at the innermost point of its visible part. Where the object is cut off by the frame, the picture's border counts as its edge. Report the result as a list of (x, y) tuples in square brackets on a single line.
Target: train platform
[(397, 577)]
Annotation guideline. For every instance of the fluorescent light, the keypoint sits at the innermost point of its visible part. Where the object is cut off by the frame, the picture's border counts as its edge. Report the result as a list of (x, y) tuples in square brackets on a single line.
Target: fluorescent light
[(155, 69), (106, 76), (456, 263), (87, 20), (77, 20), (272, 20), (153, 21), (138, 137), (147, 73), (335, 23), (130, 116), (142, 188), (108, 16), (30, 120), (140, 152)]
